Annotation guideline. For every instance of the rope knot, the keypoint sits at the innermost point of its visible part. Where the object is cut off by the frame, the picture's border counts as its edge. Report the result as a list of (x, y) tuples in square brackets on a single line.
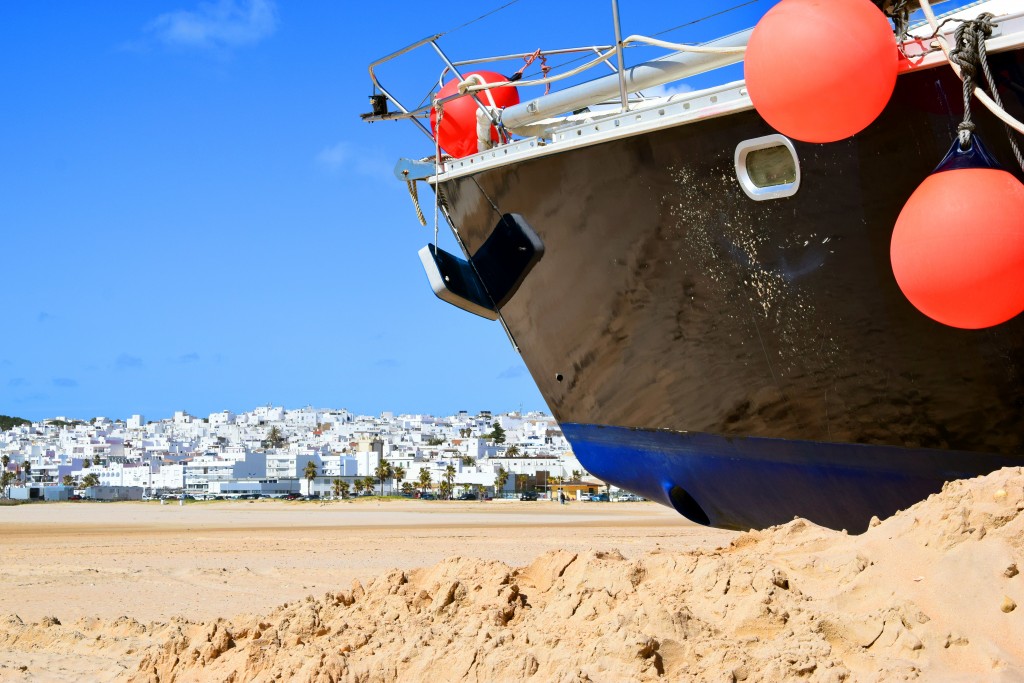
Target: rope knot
[(970, 55)]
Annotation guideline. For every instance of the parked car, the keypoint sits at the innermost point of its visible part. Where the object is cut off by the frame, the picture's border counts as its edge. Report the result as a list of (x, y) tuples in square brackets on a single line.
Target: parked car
[(428, 496), (599, 498), (467, 496), (529, 495), (292, 496), (629, 498)]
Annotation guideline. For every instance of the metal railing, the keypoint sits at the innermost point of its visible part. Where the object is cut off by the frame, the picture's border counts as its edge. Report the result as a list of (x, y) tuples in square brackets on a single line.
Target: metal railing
[(686, 60)]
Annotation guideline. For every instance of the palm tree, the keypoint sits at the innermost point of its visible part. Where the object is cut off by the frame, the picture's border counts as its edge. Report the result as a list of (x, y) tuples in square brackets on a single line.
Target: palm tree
[(5, 460), (68, 480), (5, 481), (383, 471), (407, 488), (337, 487), (424, 480), (310, 475), (500, 479), (512, 451), (449, 477), (468, 460), (344, 489), (399, 474), (26, 468), (275, 439), (90, 480), (96, 459), (368, 483), (521, 482), (577, 475), (358, 486), (445, 490)]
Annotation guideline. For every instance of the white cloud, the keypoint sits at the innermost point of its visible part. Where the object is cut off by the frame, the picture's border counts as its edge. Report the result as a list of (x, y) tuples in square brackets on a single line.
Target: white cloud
[(365, 162), (335, 156), (219, 24)]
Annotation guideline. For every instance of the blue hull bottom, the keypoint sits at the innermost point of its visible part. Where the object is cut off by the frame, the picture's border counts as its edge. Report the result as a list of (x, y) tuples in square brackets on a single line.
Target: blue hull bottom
[(744, 483)]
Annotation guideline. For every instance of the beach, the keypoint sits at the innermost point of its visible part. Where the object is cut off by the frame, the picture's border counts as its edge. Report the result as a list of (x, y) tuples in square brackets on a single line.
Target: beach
[(507, 590), (215, 559)]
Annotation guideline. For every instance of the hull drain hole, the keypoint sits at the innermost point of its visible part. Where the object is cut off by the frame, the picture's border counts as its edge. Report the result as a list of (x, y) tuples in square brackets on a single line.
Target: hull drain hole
[(685, 505)]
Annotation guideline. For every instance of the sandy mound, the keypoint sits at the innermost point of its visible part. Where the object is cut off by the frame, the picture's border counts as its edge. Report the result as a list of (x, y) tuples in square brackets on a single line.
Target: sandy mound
[(929, 594)]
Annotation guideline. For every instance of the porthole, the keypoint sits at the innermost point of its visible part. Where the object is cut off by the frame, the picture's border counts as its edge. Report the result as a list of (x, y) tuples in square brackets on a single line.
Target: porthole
[(767, 167)]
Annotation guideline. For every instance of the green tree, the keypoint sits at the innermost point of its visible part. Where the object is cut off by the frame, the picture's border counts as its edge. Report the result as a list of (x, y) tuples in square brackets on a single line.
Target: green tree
[(435, 441), (577, 475), (424, 479), (310, 474), (274, 439), (497, 434), (358, 486), (68, 480), (368, 483), (449, 478), (338, 487), (500, 480), (407, 488), (383, 471), (5, 460), (8, 422), (6, 478), (96, 460), (26, 469), (468, 460), (521, 480), (399, 474), (512, 451), (90, 479), (445, 490)]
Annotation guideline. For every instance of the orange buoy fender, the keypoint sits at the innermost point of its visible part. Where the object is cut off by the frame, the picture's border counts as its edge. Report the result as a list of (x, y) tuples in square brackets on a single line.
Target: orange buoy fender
[(957, 250), (821, 70), (457, 132)]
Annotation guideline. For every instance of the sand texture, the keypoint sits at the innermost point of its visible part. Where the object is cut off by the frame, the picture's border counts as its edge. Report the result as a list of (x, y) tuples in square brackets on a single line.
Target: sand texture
[(930, 594)]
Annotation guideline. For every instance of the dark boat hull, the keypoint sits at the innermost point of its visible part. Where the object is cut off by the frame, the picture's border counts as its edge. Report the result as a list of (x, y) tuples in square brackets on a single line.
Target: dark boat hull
[(757, 357)]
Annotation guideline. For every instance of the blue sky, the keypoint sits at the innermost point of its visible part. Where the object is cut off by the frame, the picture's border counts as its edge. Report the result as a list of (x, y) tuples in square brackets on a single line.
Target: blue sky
[(193, 216)]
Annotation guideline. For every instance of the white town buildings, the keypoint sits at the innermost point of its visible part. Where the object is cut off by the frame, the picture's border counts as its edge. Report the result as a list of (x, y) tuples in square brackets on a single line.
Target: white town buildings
[(228, 454)]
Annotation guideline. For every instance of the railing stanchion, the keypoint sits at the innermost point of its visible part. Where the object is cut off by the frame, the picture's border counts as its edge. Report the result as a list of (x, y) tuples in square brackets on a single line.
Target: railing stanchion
[(618, 51)]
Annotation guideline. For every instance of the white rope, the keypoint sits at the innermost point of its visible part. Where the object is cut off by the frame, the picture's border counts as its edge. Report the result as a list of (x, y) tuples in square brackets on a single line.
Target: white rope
[(684, 47), (484, 122), (478, 80), (982, 96), (603, 56), (543, 81), (437, 170)]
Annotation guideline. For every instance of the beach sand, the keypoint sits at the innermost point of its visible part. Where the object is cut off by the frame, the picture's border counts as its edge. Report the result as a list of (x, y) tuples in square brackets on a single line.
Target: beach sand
[(495, 591)]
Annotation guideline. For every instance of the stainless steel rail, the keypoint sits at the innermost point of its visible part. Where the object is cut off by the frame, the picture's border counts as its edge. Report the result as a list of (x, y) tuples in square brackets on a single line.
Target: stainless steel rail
[(646, 75)]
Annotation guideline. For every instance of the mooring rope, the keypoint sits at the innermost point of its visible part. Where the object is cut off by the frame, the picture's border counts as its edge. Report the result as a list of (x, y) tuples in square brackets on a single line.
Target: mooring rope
[(997, 110), (414, 193), (970, 53)]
